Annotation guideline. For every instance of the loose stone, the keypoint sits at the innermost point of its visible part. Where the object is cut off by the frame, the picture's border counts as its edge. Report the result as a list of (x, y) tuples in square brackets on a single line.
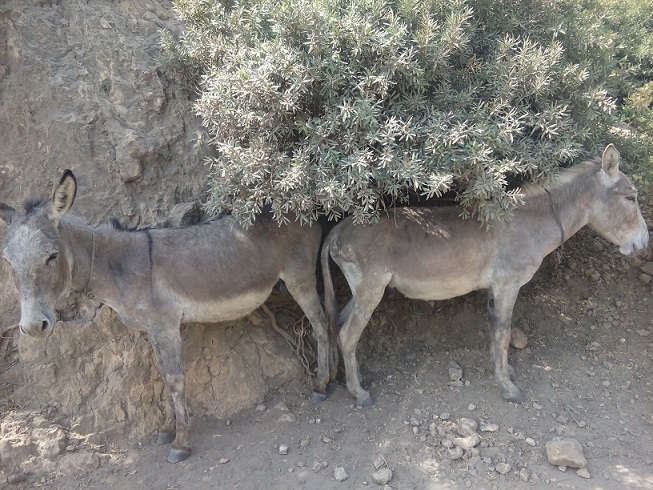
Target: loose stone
[(489, 427), (455, 371), (648, 268), (583, 473), (518, 338), (565, 452), (467, 442), (378, 462), (340, 474), (456, 453), (503, 468), (467, 427), (382, 476)]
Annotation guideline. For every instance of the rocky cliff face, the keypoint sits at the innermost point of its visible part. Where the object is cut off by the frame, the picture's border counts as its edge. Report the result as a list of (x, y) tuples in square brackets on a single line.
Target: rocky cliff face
[(80, 88)]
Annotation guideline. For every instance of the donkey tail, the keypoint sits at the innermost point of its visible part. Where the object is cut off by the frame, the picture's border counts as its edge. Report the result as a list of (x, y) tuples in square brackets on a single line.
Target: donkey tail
[(330, 306)]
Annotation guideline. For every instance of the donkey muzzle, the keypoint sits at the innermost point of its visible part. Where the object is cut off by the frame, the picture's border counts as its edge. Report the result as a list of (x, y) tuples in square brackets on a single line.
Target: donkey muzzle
[(37, 328)]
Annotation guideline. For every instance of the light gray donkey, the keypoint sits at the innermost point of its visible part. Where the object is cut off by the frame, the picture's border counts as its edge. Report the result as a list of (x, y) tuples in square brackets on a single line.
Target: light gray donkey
[(159, 278), (433, 254)]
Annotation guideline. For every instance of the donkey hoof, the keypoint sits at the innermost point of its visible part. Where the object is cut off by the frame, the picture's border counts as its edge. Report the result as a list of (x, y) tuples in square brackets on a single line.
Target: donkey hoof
[(365, 402), (165, 437), (516, 397), (317, 397), (331, 385), (178, 455)]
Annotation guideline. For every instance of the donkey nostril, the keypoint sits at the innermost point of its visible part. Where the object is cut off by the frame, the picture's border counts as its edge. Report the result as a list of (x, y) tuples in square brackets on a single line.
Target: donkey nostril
[(44, 325)]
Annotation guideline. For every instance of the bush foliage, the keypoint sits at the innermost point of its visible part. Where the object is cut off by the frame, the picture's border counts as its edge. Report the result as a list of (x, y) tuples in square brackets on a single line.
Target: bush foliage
[(332, 106)]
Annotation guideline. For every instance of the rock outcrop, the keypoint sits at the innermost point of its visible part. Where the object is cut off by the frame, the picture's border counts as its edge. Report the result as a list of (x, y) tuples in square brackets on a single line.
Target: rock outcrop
[(81, 88)]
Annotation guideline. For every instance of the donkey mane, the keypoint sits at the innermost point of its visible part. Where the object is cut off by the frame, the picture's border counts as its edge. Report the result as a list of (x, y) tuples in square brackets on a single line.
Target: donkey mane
[(33, 204), (563, 179)]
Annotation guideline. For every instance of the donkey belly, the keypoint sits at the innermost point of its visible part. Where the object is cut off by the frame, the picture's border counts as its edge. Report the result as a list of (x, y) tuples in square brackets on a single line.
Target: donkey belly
[(223, 309), (435, 289)]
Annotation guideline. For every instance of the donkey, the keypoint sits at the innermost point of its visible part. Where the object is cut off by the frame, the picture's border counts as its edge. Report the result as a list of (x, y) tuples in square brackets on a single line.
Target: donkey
[(156, 279), (433, 254)]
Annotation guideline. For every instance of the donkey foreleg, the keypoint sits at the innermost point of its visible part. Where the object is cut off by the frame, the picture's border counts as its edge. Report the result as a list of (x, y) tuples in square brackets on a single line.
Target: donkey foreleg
[(500, 306), (167, 431), (167, 348)]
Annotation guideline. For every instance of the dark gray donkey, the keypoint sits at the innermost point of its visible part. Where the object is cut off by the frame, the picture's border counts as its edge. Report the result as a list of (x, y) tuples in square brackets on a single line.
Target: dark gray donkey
[(433, 254), (156, 279)]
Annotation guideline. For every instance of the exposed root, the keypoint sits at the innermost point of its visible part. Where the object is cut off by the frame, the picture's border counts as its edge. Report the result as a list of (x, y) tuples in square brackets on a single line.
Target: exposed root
[(298, 344)]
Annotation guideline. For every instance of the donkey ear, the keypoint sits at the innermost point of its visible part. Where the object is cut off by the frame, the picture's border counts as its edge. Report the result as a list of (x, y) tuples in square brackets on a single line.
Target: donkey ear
[(63, 195), (7, 213), (610, 160)]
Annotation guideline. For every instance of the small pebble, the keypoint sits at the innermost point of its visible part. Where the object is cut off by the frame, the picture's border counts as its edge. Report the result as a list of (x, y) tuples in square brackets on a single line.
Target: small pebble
[(467, 442), (456, 453), (283, 449), (340, 474), (455, 371), (489, 427), (503, 468), (378, 462), (518, 338), (471, 407), (467, 427), (530, 442), (382, 476), (583, 473)]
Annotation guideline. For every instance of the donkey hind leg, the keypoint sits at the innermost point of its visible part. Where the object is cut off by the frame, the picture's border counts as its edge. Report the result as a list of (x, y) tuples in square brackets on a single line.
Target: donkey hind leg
[(306, 297), (167, 348), (500, 306), (365, 299)]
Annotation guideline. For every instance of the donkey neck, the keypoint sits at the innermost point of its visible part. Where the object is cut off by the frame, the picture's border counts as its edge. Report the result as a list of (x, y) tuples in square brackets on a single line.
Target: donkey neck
[(81, 243), (565, 208), (118, 259)]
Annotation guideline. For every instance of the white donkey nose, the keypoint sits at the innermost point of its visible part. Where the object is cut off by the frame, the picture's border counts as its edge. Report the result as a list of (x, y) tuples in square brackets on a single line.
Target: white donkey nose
[(35, 329)]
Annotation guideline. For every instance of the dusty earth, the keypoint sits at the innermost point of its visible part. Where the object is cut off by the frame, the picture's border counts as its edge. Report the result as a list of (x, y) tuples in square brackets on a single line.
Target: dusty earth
[(586, 373)]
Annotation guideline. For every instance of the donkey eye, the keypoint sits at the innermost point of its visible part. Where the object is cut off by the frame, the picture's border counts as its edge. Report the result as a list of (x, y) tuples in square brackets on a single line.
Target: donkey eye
[(632, 198), (51, 258)]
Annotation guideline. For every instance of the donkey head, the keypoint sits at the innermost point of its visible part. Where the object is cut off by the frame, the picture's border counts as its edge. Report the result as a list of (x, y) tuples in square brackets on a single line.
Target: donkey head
[(615, 214), (40, 261)]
